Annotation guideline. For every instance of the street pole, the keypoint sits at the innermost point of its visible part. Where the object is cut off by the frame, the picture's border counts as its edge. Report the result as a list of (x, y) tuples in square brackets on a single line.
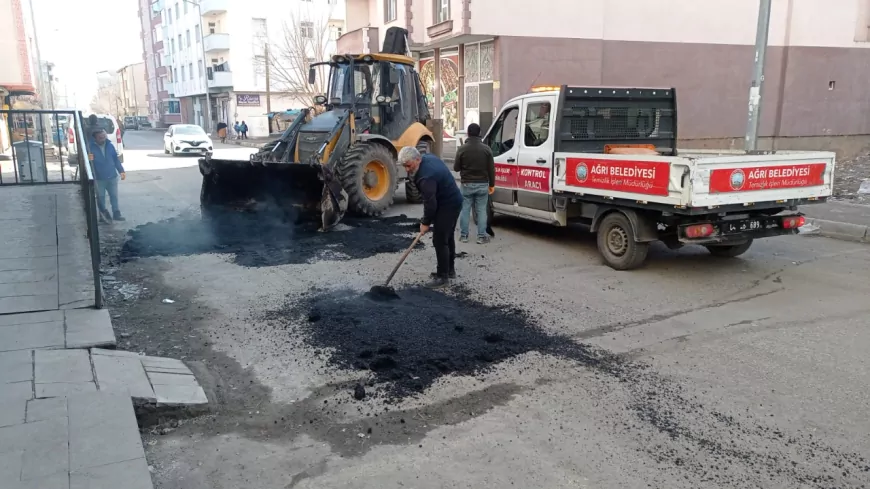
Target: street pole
[(268, 89), (204, 67), (757, 75)]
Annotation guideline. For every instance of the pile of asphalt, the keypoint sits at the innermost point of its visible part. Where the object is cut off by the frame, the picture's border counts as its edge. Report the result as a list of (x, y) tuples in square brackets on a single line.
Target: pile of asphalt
[(409, 343), (259, 240)]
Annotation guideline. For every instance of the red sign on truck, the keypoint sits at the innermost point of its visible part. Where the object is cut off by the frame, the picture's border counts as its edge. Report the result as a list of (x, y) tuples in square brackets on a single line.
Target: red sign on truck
[(639, 177), (530, 179), (766, 177)]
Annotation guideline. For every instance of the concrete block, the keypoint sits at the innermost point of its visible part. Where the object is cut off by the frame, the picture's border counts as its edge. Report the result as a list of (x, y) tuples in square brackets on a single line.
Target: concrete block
[(24, 276), (162, 362), (129, 474), (123, 374), (53, 366), (16, 366), (28, 303), (64, 389), (58, 481), (169, 370), (39, 263), (172, 379), (45, 460), (28, 251), (86, 411), (12, 412), (29, 435), (116, 353), (104, 443), (31, 318), (40, 409), (10, 466), (31, 336), (88, 327), (16, 390), (180, 395), (841, 230), (27, 288)]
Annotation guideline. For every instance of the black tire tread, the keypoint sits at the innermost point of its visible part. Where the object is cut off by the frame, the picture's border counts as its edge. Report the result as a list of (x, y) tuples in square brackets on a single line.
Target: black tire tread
[(350, 173)]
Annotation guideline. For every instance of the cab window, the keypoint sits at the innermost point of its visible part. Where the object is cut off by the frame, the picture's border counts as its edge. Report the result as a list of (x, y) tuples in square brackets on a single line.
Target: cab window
[(501, 138), (537, 129)]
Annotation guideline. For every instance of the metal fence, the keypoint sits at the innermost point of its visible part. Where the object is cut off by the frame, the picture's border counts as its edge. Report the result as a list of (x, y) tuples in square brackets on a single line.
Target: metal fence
[(49, 147)]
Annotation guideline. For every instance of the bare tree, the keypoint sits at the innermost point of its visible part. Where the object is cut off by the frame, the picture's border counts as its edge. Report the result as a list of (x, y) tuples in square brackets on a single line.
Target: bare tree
[(307, 36), (108, 100)]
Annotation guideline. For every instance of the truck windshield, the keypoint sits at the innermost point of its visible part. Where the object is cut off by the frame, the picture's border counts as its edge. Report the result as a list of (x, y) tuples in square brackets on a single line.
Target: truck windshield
[(359, 83)]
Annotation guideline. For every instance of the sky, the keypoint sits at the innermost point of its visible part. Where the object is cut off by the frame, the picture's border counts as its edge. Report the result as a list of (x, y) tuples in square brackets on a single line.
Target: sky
[(83, 37)]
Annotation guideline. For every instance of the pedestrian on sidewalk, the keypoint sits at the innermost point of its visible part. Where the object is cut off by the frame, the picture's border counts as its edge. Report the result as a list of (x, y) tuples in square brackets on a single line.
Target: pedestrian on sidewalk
[(476, 169), (222, 131), (442, 202), (237, 130), (107, 169), (244, 129)]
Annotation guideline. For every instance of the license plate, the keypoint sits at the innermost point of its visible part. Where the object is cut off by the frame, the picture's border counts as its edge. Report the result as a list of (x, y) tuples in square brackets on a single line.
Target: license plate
[(746, 225)]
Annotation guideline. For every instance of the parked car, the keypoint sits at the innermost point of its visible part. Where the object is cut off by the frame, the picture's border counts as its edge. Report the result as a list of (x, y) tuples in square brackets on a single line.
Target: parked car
[(143, 121), (187, 139), (131, 122), (106, 122)]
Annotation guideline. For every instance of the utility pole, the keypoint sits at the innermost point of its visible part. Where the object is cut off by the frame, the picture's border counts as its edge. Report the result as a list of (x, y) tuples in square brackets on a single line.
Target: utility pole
[(757, 75), (268, 82)]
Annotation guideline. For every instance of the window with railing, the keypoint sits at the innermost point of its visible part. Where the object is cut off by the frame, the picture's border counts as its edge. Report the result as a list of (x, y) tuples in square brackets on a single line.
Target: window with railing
[(442, 11)]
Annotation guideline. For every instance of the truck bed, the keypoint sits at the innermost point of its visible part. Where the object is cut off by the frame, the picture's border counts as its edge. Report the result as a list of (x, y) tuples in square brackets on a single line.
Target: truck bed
[(697, 178)]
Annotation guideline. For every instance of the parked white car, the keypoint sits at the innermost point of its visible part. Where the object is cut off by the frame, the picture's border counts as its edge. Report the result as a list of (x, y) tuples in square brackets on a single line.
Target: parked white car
[(105, 121), (187, 139)]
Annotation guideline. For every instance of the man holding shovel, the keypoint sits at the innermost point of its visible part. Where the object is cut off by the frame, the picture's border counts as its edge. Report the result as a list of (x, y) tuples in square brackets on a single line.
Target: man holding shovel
[(442, 202)]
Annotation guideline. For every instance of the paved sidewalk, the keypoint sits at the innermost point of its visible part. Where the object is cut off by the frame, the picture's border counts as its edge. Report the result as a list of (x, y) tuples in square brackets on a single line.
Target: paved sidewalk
[(840, 220)]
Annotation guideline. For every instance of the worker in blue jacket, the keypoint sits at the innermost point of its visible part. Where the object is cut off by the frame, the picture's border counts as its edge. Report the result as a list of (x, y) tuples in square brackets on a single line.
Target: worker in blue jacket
[(107, 168)]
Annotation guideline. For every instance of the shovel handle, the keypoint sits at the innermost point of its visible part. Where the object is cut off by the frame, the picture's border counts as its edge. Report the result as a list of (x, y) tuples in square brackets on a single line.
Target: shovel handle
[(402, 259)]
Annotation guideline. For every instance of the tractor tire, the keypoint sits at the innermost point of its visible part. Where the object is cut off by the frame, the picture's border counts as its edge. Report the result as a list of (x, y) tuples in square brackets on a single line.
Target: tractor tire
[(424, 146), (412, 193), (368, 175), (729, 251)]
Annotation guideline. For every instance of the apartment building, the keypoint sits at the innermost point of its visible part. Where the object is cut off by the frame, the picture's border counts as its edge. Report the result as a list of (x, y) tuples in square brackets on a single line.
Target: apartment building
[(162, 110), (131, 85), (220, 46), (487, 51)]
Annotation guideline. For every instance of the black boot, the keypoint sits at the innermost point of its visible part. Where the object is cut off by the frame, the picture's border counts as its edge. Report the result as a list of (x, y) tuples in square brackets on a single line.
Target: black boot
[(438, 282), (118, 217)]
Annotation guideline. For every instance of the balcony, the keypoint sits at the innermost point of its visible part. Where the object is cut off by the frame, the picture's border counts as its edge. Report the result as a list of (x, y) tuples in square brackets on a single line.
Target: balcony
[(220, 79), (216, 42), (162, 71), (156, 19), (163, 95), (213, 7), (158, 46), (167, 60)]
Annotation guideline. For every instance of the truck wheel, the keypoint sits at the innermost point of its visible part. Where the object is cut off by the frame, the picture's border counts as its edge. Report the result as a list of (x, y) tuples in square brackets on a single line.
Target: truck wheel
[(729, 251), (617, 245), (368, 175)]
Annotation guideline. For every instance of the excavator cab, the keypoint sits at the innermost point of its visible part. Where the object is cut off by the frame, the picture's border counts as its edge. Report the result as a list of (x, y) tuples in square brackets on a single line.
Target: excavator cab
[(340, 154)]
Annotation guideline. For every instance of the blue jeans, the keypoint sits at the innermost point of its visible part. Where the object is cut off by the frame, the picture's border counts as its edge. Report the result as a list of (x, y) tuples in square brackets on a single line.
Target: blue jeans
[(111, 186), (477, 195)]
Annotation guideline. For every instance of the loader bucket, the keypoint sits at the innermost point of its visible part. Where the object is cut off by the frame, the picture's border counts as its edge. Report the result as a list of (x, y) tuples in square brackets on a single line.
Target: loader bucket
[(292, 191)]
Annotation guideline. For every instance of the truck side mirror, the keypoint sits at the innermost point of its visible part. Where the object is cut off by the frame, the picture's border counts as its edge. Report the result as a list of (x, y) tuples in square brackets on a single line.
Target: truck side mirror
[(312, 75)]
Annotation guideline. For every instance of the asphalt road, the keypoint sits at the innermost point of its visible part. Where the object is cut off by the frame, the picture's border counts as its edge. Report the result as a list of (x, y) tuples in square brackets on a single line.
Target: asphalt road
[(751, 372)]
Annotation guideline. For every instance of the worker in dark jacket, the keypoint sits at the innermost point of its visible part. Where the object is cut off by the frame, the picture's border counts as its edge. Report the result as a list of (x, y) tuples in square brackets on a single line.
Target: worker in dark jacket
[(442, 202), (107, 168), (476, 170)]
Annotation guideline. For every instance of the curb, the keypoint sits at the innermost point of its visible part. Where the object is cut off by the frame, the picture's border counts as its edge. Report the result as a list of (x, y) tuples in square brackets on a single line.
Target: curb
[(840, 230)]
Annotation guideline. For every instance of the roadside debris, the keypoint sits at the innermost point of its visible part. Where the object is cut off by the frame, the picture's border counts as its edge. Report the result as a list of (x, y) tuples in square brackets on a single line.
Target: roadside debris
[(168, 301)]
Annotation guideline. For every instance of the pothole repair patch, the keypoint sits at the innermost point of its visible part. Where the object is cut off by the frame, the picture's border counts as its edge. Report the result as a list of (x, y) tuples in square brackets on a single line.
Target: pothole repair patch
[(259, 240)]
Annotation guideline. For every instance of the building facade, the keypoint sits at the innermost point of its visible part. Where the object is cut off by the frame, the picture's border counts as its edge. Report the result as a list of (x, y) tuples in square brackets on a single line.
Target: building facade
[(221, 46), (131, 84), (485, 52), (163, 110)]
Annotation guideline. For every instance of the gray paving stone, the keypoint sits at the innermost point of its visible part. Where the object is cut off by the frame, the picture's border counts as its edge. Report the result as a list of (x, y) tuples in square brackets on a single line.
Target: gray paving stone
[(169, 370), (130, 474), (24, 276), (64, 389), (103, 431), (116, 353), (58, 481), (162, 362), (16, 366), (31, 336), (89, 327), (40, 409), (40, 263), (62, 366), (28, 435), (123, 374), (177, 395), (12, 412), (25, 241), (31, 318), (28, 251), (45, 460), (171, 379), (27, 288), (16, 390), (12, 305), (10, 466)]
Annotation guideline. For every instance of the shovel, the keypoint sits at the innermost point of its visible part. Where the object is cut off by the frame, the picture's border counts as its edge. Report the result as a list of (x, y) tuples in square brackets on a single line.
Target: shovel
[(385, 292)]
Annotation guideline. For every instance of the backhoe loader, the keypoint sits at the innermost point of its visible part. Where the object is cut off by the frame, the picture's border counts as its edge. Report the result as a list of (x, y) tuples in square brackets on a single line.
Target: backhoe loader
[(340, 155)]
